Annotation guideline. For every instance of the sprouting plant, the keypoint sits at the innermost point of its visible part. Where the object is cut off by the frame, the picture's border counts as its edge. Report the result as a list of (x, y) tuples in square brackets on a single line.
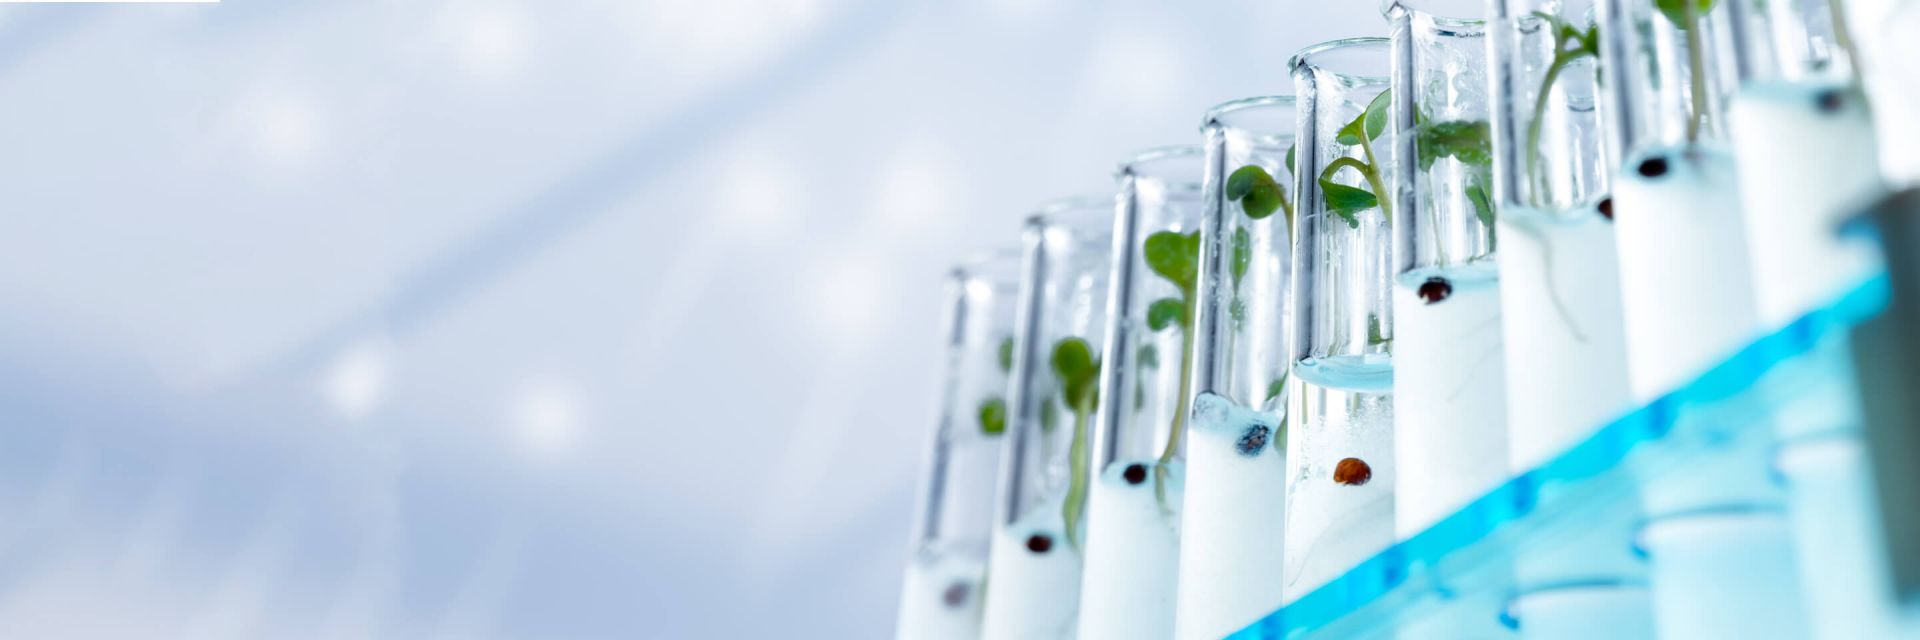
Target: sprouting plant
[(1176, 257), (1079, 376), (1685, 15), (1569, 46), (993, 410), (1347, 202), (1259, 194), (1470, 143)]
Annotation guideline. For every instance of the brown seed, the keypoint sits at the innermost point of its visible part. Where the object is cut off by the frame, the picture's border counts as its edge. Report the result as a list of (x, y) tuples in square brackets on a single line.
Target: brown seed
[(1252, 440), (1606, 208), (1039, 543), (1352, 472), (955, 595), (1135, 473), (1435, 289)]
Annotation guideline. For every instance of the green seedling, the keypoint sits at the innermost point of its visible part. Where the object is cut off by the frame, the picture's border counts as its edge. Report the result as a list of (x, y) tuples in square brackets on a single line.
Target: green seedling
[(1348, 202), (1078, 373), (993, 410), (1570, 45)]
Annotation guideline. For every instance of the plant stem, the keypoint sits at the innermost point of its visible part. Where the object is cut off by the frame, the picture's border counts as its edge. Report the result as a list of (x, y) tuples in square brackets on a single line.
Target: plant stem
[(1536, 173), (1696, 72), (1287, 207), (1843, 37), (1183, 404), (1372, 174), (1077, 472)]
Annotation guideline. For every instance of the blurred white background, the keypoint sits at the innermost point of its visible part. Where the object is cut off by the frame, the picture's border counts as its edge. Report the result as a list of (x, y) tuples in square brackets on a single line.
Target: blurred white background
[(518, 319)]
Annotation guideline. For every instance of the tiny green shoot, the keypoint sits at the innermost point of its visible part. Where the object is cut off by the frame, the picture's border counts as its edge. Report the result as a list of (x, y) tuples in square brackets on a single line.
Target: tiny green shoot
[(993, 410), (993, 416), (1175, 257), (1079, 376)]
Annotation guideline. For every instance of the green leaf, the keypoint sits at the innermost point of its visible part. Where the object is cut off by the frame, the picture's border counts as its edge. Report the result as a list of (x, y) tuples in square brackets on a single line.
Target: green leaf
[(1469, 141), (1240, 183), (993, 416), (1276, 387), (1482, 205), (1376, 114), (1290, 149), (1258, 193), (1242, 254), (1349, 135), (1078, 372), (1175, 256), (1166, 312), (1006, 355), (1346, 202), (1375, 334), (1676, 11), (1072, 358)]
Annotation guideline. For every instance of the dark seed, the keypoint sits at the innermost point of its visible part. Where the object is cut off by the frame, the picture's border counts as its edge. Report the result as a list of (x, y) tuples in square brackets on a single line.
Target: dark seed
[(1135, 473), (1039, 543), (1606, 208), (1653, 167), (1352, 472), (1253, 440), (1435, 289), (956, 594), (1831, 101)]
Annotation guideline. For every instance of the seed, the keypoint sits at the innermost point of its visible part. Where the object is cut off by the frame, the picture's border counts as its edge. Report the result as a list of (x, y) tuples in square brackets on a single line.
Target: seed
[(1252, 440), (1352, 472), (955, 595), (1831, 100), (1435, 289), (1135, 473), (1653, 167), (1606, 208), (1039, 543)]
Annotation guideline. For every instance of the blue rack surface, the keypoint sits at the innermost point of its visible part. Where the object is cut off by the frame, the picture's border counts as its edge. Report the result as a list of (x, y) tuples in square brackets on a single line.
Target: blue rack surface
[(1463, 567)]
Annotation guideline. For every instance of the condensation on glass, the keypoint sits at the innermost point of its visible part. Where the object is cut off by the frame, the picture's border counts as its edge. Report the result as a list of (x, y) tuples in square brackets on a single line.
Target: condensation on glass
[(1247, 252), (1146, 391), (956, 504), (1670, 69), (1550, 141), (1063, 298), (1443, 140), (1343, 264)]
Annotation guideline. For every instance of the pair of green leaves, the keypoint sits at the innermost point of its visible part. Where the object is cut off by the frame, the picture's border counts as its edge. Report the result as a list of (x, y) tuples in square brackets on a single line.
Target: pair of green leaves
[(1258, 193), (1468, 141), (1346, 201), (1176, 257)]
